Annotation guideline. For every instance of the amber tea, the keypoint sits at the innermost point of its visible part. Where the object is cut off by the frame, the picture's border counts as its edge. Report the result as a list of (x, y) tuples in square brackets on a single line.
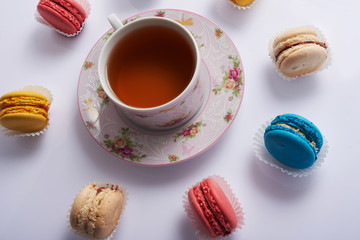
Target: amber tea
[(150, 66)]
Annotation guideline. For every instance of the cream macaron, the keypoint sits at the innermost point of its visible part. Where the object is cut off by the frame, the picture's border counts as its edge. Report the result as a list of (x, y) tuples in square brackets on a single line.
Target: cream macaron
[(299, 51), (96, 210)]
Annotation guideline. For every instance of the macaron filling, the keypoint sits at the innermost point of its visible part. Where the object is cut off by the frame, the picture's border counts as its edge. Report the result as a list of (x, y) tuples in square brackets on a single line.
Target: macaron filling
[(300, 132), (212, 212), (77, 11), (209, 215), (225, 225), (321, 44), (24, 109), (24, 101)]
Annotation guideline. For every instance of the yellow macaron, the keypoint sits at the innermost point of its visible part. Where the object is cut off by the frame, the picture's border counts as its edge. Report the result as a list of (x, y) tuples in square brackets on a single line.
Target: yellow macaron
[(24, 111), (242, 3)]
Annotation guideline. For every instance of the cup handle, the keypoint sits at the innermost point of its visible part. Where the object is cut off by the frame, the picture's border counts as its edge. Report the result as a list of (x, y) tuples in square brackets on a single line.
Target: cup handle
[(114, 21)]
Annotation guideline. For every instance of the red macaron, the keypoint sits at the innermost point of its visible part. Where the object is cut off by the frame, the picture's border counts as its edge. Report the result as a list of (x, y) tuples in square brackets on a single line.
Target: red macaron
[(67, 16), (213, 208)]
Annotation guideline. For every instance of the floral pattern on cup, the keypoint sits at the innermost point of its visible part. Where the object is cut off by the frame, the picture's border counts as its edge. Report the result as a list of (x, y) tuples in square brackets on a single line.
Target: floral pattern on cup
[(173, 158), (123, 146), (232, 79), (167, 110), (143, 115), (189, 132), (88, 65), (196, 86), (160, 14), (218, 33), (175, 121)]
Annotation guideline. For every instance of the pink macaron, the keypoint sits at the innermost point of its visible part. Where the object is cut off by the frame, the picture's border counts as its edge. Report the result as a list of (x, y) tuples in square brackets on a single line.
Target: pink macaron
[(66, 16), (213, 209)]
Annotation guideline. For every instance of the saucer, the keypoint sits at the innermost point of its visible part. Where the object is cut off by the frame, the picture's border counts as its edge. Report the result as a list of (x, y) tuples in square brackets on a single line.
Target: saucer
[(221, 67)]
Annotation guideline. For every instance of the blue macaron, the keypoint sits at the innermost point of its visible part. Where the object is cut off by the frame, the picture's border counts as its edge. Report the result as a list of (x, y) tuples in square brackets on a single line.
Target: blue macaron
[(293, 140)]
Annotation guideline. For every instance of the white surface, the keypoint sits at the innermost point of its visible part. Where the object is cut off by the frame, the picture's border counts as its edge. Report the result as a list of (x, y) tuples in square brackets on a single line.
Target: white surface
[(41, 176)]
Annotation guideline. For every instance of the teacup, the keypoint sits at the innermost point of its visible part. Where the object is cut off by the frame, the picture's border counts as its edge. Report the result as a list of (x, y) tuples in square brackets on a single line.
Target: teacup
[(150, 69)]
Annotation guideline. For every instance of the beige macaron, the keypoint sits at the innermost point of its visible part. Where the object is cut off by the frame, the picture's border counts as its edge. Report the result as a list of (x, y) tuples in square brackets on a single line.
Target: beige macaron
[(96, 210), (299, 51)]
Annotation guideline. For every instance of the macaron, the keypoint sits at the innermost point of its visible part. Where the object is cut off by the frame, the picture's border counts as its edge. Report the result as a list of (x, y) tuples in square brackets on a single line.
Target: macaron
[(213, 208), (96, 210), (299, 51), (24, 111), (67, 16), (293, 141), (242, 3)]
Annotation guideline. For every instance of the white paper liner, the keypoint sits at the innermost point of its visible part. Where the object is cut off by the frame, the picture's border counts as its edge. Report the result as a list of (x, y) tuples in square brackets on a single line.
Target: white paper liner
[(87, 8), (200, 231), (125, 194), (263, 155), (242, 7), (38, 89), (321, 37)]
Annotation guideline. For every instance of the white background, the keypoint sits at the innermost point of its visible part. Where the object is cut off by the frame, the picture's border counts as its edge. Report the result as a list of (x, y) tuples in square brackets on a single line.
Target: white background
[(39, 177)]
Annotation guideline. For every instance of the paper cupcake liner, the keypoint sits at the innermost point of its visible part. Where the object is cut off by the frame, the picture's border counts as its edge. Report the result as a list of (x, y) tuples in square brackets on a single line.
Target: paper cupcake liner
[(125, 194), (263, 155), (242, 7), (87, 8), (200, 231), (322, 38), (38, 89)]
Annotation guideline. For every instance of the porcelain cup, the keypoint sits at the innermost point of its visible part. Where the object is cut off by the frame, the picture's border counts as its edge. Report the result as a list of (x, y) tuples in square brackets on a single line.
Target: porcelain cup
[(171, 114)]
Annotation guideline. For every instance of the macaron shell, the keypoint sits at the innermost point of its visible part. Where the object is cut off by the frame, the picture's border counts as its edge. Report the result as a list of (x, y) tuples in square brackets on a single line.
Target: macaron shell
[(74, 8), (108, 214), (79, 201), (294, 32), (220, 205), (303, 38), (301, 59), (24, 122), (242, 2), (22, 94), (289, 148), (207, 219), (24, 101), (305, 125), (58, 17)]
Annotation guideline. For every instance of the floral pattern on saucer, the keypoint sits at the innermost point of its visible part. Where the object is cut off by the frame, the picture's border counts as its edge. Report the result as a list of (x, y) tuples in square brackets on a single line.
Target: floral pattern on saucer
[(123, 146), (222, 69)]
